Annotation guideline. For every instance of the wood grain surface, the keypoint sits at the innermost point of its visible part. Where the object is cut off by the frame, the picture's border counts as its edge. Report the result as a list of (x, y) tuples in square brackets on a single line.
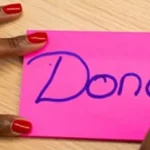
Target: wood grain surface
[(103, 15)]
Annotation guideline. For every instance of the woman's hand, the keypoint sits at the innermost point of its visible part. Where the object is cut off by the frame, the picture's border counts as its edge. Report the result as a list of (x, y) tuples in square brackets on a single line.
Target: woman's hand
[(11, 125)]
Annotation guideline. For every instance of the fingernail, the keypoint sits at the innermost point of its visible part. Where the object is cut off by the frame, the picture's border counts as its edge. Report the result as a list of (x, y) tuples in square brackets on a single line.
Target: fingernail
[(38, 37), (12, 8), (21, 126)]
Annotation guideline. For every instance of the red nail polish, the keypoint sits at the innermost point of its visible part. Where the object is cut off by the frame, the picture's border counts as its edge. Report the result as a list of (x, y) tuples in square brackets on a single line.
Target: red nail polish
[(12, 8), (38, 37), (21, 126)]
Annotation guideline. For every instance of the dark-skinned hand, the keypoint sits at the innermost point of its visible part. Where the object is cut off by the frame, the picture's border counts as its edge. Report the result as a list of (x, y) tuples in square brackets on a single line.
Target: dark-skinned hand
[(12, 125)]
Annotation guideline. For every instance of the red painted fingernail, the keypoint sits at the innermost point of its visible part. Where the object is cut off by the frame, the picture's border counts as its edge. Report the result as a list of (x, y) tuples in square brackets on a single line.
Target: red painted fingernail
[(38, 37), (12, 8), (21, 126)]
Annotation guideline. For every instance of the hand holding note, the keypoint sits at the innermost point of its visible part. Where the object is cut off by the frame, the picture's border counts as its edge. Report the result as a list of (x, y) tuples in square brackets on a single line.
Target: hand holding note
[(93, 85), (12, 125)]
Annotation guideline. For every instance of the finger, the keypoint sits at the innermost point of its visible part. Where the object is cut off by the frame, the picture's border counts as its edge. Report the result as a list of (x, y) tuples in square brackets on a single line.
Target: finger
[(10, 12), (146, 142), (11, 125), (21, 45)]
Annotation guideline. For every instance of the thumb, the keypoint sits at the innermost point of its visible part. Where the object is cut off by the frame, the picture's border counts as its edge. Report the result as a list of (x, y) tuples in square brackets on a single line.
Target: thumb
[(21, 45), (11, 125), (146, 143)]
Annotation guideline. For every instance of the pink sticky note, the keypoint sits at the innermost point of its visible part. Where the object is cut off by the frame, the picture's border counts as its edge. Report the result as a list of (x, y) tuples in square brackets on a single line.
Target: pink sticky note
[(93, 85)]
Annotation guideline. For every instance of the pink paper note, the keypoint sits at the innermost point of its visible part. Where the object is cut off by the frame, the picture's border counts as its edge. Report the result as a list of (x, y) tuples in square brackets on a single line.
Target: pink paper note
[(93, 85)]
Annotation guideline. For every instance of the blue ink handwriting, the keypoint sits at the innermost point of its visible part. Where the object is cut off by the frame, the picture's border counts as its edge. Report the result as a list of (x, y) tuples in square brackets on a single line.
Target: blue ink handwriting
[(89, 80)]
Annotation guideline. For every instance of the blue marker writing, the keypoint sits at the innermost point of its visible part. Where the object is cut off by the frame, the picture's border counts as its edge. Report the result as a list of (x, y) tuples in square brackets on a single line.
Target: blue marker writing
[(89, 80)]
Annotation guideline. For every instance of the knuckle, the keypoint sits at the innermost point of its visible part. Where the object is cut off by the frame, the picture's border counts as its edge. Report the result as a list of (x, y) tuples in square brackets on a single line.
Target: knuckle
[(15, 42), (4, 126)]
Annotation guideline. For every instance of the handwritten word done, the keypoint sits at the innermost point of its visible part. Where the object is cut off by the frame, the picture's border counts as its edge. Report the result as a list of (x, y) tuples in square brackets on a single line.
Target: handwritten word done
[(89, 80)]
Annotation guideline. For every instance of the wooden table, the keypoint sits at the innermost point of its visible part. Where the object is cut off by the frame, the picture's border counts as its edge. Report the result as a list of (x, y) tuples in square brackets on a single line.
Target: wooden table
[(104, 15)]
